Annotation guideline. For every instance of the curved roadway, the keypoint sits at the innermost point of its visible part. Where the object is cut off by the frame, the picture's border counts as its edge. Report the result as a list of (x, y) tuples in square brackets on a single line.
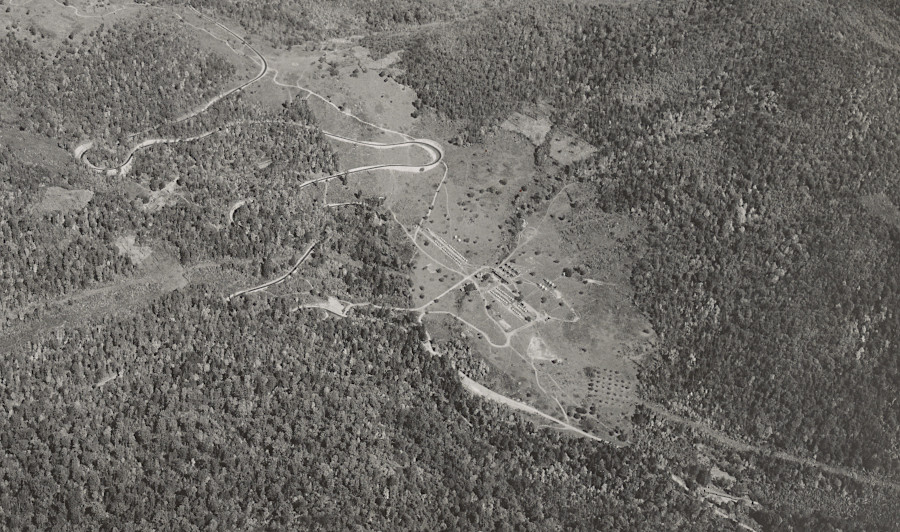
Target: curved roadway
[(280, 278), (428, 145), (263, 70), (433, 148)]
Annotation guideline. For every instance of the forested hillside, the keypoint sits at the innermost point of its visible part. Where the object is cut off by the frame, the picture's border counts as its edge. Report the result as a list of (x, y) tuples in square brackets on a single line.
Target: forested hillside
[(758, 140), (291, 22), (189, 412), (250, 416), (107, 83), (49, 254), (755, 143)]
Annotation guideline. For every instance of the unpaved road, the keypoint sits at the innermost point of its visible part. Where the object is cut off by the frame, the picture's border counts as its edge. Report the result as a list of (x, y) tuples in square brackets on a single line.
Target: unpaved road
[(81, 150), (430, 146), (487, 393), (281, 278), (263, 70), (738, 445)]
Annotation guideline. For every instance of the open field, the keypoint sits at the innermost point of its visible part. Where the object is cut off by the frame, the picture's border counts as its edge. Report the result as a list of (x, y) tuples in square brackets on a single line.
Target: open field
[(535, 129), (56, 22), (61, 200), (555, 341), (474, 207), (432, 276), (349, 78)]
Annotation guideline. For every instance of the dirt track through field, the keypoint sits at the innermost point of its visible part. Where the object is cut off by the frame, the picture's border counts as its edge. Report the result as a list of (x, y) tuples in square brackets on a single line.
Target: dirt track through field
[(487, 393)]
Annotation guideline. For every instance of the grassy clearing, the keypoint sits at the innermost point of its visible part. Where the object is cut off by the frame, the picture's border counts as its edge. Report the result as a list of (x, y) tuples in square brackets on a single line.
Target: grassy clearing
[(473, 315), (347, 75), (585, 329), (501, 314), (880, 205), (52, 23), (269, 95), (377, 99), (516, 378), (430, 279), (334, 121), (566, 149), (61, 200), (473, 209), (411, 194), (355, 155), (533, 128), (582, 350), (32, 148), (128, 247)]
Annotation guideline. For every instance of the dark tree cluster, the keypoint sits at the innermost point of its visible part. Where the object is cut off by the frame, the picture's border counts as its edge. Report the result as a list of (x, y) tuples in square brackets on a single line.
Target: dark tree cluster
[(375, 256), (290, 22), (245, 415), (252, 154), (44, 255)]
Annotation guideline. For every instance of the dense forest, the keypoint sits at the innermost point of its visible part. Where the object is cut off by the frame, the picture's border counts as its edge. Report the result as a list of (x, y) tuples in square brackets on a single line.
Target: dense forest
[(292, 22), (246, 415), (49, 254), (103, 85), (754, 138), (768, 273), (45, 255)]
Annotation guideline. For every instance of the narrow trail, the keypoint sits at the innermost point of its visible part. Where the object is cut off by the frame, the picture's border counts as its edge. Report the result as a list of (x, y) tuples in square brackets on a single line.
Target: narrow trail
[(738, 445), (537, 380), (528, 238), (441, 186), (309, 92), (280, 279), (484, 335), (487, 393)]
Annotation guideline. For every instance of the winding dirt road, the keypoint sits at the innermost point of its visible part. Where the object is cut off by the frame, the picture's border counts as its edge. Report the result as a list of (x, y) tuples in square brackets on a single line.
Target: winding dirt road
[(281, 278), (81, 151), (430, 146), (263, 70), (487, 393)]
